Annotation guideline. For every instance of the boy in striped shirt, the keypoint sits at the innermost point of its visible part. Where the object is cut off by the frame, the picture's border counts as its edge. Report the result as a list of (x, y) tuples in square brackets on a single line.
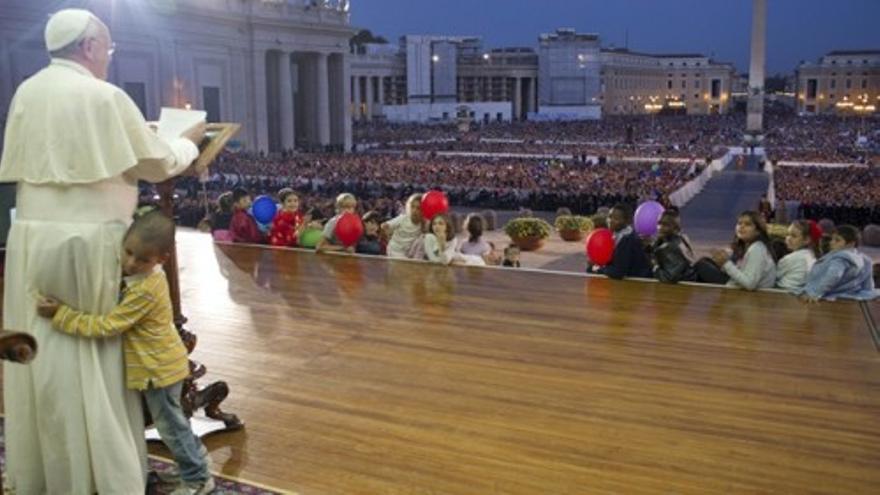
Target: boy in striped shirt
[(156, 361)]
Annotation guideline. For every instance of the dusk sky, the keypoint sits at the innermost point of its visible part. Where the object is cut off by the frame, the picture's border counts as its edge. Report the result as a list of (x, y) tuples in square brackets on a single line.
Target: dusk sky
[(796, 29)]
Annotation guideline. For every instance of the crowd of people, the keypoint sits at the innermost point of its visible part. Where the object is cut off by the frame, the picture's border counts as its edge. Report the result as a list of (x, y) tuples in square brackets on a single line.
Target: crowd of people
[(668, 137), (787, 137), (823, 139), (384, 179), (842, 194)]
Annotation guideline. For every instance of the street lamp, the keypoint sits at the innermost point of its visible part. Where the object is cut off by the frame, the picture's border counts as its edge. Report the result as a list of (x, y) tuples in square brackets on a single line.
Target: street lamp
[(844, 105), (863, 109), (652, 108)]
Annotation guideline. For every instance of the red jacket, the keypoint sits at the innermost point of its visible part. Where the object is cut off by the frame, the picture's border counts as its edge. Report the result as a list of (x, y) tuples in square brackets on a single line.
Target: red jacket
[(244, 228)]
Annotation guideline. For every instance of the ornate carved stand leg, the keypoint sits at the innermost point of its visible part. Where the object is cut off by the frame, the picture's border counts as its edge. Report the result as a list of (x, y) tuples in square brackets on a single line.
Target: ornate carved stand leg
[(193, 398)]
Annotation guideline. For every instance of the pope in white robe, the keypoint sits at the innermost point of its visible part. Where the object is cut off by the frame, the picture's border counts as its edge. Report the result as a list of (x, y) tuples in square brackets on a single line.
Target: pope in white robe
[(76, 146)]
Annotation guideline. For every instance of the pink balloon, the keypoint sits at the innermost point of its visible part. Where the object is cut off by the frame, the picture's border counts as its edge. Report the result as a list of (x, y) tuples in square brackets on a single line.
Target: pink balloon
[(600, 246)]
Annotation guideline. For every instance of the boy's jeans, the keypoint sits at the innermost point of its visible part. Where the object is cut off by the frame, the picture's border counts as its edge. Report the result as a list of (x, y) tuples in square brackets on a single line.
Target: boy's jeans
[(174, 430)]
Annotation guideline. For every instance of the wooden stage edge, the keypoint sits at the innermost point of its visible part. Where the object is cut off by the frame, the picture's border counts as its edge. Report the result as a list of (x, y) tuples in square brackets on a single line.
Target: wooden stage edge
[(358, 375)]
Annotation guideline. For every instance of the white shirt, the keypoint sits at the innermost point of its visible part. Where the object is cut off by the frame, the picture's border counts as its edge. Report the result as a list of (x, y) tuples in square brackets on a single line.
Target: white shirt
[(433, 252), (792, 270), (755, 271), (405, 232)]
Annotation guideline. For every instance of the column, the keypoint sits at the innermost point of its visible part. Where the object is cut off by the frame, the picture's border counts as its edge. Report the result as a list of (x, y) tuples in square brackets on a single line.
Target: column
[(357, 97), (340, 94), (517, 99), (533, 94), (167, 75), (285, 100), (323, 117), (755, 120), (369, 98), (381, 91), (261, 105), (345, 62)]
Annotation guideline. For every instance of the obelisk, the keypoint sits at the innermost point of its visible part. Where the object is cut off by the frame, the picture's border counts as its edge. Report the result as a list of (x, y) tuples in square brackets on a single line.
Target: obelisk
[(755, 119)]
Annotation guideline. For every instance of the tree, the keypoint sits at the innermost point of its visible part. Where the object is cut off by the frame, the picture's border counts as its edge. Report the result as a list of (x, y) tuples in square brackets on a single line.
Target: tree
[(364, 37)]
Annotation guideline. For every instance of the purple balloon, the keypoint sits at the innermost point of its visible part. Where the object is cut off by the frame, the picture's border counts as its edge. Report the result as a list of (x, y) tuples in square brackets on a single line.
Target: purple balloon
[(647, 215)]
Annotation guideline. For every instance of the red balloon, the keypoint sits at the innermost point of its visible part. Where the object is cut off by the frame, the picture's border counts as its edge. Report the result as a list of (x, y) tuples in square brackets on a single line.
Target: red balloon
[(434, 203), (349, 229), (600, 246), (815, 231)]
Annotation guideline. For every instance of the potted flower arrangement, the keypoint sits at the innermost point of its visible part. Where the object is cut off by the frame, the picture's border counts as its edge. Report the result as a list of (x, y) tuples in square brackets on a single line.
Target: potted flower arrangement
[(573, 227), (528, 233)]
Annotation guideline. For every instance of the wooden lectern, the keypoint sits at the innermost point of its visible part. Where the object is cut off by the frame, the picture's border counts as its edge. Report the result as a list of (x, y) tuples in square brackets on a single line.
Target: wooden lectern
[(17, 347), (211, 396)]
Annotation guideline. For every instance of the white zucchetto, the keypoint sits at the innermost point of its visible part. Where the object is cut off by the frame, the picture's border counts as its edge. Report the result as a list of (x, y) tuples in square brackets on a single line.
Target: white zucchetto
[(65, 27)]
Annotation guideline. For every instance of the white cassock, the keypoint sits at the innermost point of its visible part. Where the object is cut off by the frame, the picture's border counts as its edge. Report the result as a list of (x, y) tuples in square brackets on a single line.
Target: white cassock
[(76, 146)]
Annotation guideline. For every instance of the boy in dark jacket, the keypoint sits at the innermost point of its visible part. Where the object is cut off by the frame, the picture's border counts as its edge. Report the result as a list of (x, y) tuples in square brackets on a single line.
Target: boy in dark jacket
[(629, 258), (673, 255)]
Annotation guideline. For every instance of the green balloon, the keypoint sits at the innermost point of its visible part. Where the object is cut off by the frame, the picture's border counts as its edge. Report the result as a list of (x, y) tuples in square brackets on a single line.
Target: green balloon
[(309, 238)]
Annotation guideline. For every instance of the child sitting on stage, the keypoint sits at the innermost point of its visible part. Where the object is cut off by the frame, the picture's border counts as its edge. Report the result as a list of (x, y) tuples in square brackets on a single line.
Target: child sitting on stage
[(842, 273), (405, 230), (289, 220), (511, 256), (629, 258), (243, 226), (371, 242), (156, 360), (345, 203)]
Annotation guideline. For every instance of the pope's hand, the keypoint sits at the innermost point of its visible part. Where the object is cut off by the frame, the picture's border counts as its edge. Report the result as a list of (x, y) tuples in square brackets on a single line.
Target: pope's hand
[(196, 133)]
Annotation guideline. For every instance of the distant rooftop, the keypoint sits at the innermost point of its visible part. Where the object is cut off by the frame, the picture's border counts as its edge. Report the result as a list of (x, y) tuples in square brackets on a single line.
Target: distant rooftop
[(655, 55), (680, 55), (853, 52), (569, 34)]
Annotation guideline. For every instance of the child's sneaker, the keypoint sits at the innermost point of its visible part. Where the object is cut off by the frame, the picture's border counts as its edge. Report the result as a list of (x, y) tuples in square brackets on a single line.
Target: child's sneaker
[(197, 488)]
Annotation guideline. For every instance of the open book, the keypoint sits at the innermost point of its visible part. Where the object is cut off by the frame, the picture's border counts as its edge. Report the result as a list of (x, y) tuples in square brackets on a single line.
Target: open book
[(173, 122)]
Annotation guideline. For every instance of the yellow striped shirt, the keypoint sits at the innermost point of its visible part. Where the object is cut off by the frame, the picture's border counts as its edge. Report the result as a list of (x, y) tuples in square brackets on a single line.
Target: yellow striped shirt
[(154, 353)]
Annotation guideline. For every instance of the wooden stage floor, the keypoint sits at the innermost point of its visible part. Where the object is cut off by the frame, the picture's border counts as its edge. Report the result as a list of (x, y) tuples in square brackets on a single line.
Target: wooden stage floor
[(358, 375)]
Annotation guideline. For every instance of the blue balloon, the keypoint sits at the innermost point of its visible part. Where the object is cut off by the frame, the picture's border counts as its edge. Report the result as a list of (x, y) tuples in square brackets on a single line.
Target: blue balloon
[(264, 209)]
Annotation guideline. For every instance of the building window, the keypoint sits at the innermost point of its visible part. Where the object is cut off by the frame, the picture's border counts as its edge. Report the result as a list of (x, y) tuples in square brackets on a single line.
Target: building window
[(812, 88), (137, 91), (697, 84), (684, 85), (848, 83), (716, 89), (211, 99), (696, 96), (669, 84), (831, 96), (864, 83), (833, 83)]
